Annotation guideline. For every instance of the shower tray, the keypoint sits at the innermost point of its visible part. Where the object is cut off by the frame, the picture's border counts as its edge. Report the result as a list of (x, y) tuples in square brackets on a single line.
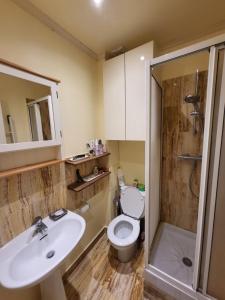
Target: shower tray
[(173, 252)]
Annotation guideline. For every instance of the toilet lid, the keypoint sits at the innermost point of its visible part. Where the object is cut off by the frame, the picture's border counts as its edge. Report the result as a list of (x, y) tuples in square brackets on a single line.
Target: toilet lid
[(132, 202)]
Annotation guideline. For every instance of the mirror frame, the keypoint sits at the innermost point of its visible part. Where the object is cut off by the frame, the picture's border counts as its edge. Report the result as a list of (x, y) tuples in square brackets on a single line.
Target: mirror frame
[(20, 72)]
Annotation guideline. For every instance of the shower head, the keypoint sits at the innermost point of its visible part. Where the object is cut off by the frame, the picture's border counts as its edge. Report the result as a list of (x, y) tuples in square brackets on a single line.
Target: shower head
[(192, 99)]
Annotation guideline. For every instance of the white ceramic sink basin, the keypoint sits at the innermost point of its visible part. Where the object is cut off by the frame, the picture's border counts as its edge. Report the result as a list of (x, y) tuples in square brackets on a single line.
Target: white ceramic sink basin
[(23, 260)]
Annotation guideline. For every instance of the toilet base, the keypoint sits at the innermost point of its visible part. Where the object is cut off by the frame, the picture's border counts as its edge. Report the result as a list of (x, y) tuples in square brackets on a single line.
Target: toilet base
[(125, 255)]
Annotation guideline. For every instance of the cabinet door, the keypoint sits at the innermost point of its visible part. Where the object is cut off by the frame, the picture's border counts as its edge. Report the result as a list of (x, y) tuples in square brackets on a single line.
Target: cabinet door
[(114, 98), (136, 91)]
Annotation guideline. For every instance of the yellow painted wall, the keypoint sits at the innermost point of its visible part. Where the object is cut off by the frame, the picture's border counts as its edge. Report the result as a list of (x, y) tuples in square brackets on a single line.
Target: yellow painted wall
[(27, 42), (132, 160)]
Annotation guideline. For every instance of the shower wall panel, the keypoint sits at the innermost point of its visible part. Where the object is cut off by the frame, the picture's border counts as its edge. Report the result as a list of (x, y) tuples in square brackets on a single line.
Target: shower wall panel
[(178, 205)]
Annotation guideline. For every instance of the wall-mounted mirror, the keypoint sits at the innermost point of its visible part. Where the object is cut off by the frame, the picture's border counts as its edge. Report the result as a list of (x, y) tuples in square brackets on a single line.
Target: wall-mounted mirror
[(39, 118), (28, 111)]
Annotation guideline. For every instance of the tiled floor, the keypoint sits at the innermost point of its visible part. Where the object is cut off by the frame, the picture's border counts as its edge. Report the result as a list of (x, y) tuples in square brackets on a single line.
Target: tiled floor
[(173, 247), (150, 294), (100, 276)]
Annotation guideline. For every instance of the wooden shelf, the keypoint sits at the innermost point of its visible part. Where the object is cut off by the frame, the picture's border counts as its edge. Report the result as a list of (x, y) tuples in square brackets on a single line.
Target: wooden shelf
[(19, 170), (77, 187), (13, 65), (84, 160)]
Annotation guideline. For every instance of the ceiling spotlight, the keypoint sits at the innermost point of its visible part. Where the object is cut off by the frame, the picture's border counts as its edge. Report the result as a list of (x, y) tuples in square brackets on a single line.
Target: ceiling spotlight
[(98, 3), (142, 57)]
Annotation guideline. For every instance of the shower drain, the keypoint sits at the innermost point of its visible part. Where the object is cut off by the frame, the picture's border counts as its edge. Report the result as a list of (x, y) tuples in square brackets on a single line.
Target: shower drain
[(50, 254), (186, 261)]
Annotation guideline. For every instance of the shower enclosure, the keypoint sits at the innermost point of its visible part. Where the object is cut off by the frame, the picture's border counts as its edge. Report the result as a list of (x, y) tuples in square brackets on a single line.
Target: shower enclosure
[(180, 117)]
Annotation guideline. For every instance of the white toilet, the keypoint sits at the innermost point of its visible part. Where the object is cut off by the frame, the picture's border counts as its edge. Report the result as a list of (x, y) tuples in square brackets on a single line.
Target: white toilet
[(124, 230)]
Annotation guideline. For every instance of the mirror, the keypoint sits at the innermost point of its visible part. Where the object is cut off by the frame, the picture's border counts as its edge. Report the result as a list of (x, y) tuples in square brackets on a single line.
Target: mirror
[(25, 110), (29, 109)]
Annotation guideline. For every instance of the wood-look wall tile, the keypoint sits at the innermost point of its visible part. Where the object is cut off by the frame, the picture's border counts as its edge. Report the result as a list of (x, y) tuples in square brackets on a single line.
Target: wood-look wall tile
[(178, 206), (39, 192), (27, 195)]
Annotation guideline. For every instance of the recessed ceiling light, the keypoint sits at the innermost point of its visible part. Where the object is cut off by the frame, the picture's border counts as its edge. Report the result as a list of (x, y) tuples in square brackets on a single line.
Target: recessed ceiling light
[(98, 3), (142, 57)]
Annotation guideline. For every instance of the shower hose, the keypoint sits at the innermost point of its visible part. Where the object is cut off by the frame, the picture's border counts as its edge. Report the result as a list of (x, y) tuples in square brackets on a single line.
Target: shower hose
[(191, 180)]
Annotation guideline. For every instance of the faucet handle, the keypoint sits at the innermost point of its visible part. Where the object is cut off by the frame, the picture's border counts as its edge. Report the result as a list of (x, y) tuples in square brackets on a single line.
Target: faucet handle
[(36, 220)]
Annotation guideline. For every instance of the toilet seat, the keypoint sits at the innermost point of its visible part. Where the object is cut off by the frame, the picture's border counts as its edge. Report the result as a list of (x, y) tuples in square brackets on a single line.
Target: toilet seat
[(126, 241), (132, 202)]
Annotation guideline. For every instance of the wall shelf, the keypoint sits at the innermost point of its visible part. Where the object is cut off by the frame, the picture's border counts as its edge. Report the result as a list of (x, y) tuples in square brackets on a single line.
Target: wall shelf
[(84, 160), (78, 187), (19, 170), (13, 65)]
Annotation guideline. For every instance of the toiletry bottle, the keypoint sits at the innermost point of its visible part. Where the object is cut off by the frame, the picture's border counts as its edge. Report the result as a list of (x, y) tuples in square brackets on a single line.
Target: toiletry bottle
[(90, 146), (135, 183), (121, 178), (100, 147), (96, 147), (95, 170), (141, 187)]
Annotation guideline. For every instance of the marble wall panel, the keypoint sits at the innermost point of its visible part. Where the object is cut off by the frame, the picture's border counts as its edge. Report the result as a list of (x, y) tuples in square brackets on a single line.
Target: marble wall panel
[(27, 195), (39, 192), (178, 206)]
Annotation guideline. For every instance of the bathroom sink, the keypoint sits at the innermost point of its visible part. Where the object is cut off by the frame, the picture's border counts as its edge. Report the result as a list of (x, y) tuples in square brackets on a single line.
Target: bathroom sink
[(27, 260)]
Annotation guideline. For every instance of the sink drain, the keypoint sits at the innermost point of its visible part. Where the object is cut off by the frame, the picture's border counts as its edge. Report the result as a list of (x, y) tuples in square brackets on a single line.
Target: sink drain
[(186, 261), (50, 254)]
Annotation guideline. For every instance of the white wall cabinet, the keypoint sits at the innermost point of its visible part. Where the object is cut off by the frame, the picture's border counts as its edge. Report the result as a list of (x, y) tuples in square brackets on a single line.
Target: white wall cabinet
[(135, 91), (124, 94), (114, 98)]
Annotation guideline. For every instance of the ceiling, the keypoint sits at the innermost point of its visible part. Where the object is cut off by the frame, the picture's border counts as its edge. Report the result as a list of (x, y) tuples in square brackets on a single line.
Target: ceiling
[(130, 23)]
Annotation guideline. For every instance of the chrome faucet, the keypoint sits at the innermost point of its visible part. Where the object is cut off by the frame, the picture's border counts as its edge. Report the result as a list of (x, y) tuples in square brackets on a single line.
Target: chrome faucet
[(40, 227)]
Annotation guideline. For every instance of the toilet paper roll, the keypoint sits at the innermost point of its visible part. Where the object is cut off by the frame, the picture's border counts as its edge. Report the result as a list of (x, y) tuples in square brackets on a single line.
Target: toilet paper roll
[(84, 208)]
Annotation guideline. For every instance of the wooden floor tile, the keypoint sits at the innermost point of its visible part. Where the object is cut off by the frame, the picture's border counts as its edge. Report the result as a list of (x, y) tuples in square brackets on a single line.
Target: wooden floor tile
[(100, 276)]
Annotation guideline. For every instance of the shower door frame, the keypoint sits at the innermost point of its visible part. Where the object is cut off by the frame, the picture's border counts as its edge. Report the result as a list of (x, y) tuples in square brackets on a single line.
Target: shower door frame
[(215, 175), (211, 45)]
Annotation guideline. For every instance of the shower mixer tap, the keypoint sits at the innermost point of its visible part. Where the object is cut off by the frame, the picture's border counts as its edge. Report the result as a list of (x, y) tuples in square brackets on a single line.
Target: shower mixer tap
[(40, 228), (194, 99)]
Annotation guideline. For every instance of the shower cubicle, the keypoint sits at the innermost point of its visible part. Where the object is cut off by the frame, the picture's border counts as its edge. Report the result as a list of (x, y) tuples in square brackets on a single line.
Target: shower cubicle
[(185, 96)]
